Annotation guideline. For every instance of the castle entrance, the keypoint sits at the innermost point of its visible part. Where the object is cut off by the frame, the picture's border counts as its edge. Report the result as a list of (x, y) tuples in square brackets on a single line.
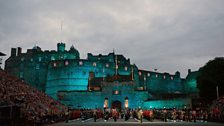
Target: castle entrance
[(116, 104)]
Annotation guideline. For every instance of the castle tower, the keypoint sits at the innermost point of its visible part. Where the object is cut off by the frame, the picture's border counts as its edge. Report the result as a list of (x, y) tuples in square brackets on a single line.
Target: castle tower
[(61, 47)]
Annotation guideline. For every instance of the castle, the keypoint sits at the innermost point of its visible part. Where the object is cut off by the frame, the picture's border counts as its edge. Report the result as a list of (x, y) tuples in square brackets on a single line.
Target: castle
[(100, 81)]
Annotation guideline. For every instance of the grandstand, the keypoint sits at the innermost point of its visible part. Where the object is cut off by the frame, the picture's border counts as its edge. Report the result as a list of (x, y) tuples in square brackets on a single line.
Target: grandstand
[(22, 104)]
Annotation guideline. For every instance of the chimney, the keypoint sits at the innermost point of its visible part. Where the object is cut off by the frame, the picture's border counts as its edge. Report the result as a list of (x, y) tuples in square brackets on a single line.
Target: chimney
[(19, 50), (189, 71), (13, 52)]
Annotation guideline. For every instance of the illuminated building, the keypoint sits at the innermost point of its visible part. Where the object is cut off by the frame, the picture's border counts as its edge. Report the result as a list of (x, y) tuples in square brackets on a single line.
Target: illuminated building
[(99, 80)]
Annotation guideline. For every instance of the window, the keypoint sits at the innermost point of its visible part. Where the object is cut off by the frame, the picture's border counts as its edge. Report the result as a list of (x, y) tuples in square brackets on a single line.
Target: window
[(126, 102), (125, 68), (116, 92), (139, 73), (22, 59), (156, 75), (54, 64), (164, 76), (107, 65), (39, 59), (66, 63), (105, 105), (21, 74), (80, 63), (103, 70), (171, 78), (37, 66), (94, 64), (148, 74), (52, 58)]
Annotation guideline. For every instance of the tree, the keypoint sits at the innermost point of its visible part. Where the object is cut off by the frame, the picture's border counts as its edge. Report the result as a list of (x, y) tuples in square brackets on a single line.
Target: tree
[(211, 76)]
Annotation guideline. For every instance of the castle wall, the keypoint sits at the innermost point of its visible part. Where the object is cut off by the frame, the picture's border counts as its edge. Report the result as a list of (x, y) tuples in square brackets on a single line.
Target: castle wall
[(83, 99), (32, 66), (74, 74), (190, 84), (168, 104), (92, 99), (160, 83), (63, 71)]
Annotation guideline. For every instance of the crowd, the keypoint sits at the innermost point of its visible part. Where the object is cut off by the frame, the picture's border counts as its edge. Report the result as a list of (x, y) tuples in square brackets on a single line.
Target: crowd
[(35, 106), (179, 115), (217, 110), (171, 115)]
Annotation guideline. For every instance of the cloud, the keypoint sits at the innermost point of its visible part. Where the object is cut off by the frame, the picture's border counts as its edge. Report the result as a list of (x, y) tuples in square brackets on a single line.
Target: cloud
[(169, 35)]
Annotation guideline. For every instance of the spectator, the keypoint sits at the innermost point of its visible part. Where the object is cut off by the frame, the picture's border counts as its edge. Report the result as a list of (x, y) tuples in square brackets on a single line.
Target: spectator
[(35, 106)]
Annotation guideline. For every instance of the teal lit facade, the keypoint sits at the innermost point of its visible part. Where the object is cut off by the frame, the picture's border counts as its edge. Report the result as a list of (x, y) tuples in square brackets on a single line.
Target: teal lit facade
[(88, 83)]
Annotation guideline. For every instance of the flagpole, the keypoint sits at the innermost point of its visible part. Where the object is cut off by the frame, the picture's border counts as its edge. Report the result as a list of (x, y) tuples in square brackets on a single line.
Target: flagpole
[(61, 30), (217, 91), (116, 66), (103, 74), (132, 73), (144, 82)]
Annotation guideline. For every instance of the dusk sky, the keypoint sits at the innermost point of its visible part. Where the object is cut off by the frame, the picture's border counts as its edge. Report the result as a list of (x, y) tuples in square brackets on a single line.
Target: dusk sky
[(168, 35)]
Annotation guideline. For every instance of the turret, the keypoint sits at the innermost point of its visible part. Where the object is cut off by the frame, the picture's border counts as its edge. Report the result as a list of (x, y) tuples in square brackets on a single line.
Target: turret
[(74, 51), (61, 47), (177, 74)]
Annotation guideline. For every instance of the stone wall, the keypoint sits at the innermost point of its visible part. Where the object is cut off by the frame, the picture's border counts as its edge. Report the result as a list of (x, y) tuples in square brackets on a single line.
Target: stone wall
[(168, 104)]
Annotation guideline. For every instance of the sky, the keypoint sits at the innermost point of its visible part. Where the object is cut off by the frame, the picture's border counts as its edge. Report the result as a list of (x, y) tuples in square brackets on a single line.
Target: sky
[(167, 35)]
